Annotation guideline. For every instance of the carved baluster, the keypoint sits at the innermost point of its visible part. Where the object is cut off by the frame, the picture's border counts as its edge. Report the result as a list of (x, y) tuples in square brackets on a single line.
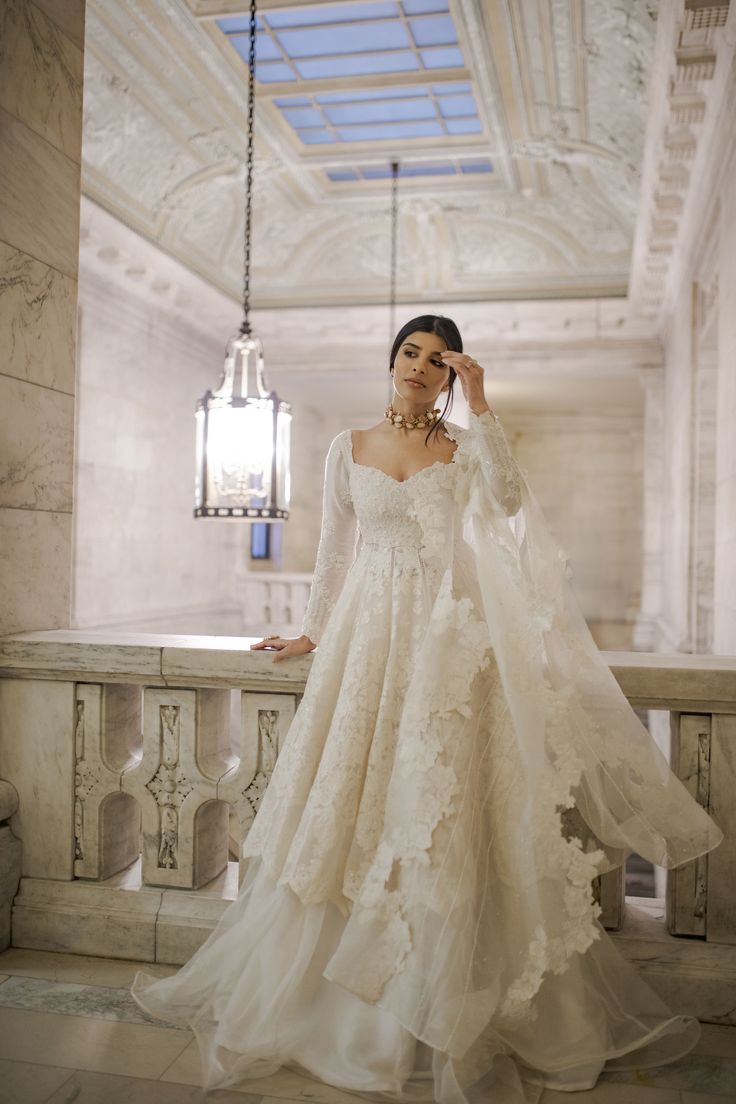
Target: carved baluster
[(106, 821), (691, 761), (265, 720), (720, 925), (184, 828)]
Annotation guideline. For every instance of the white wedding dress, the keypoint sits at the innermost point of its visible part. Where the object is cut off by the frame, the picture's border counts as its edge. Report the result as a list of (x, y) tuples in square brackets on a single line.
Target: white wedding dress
[(417, 918)]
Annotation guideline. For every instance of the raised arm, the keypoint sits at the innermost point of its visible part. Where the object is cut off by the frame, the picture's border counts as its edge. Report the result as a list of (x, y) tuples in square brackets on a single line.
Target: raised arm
[(336, 548), (498, 464)]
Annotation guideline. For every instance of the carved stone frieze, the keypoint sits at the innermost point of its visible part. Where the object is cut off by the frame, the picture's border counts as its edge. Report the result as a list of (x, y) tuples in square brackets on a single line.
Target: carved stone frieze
[(686, 59)]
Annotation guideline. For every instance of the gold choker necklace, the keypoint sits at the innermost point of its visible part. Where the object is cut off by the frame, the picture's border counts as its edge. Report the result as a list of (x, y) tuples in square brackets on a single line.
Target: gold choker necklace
[(411, 421)]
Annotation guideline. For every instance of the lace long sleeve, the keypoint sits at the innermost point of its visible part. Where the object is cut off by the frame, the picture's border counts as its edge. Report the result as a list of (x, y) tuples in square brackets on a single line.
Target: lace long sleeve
[(336, 549), (498, 464)]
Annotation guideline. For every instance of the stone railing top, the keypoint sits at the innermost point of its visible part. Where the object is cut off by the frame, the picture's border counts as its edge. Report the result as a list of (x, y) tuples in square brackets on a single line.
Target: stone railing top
[(651, 680), (148, 658)]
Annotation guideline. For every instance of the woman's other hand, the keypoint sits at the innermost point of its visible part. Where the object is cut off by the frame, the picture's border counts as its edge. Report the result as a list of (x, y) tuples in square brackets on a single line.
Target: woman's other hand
[(300, 645)]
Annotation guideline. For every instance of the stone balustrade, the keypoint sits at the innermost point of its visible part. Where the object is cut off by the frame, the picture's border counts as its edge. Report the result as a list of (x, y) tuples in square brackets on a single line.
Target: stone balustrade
[(139, 763)]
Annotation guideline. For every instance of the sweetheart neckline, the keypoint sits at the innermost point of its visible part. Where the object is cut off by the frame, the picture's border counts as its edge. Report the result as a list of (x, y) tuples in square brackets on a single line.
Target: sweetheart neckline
[(399, 482)]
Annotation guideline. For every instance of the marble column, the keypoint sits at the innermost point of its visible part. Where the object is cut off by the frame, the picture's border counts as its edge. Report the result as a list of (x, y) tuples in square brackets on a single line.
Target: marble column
[(41, 77)]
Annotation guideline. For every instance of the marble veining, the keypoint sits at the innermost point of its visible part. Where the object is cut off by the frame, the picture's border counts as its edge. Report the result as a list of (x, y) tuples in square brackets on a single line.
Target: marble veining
[(37, 321), (39, 196), (37, 451), (99, 1002), (41, 74)]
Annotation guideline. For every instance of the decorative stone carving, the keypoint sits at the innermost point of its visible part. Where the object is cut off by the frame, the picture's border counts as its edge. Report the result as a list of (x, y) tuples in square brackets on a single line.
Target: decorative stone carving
[(687, 885), (543, 75), (186, 748), (106, 739), (686, 71), (265, 720)]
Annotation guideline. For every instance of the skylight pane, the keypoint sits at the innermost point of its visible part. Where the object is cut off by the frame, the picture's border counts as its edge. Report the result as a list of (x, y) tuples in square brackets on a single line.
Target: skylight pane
[(303, 116), (316, 136), (443, 169), (331, 13), (463, 126), (237, 23), (293, 101), (371, 94), (435, 30), (381, 111), (457, 105), (342, 174), (389, 130), (266, 48), (420, 7), (399, 62), (448, 58), (376, 172), (476, 166), (325, 41), (270, 71)]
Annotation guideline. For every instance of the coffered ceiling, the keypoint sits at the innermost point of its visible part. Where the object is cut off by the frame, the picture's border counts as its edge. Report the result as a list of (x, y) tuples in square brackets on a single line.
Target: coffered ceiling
[(518, 126)]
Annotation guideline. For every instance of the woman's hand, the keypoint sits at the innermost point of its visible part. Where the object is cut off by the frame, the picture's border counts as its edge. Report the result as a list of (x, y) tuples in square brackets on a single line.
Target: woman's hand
[(471, 379), (300, 645)]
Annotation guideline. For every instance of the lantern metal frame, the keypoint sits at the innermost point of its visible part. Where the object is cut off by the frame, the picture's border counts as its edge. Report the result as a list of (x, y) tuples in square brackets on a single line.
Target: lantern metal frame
[(254, 493)]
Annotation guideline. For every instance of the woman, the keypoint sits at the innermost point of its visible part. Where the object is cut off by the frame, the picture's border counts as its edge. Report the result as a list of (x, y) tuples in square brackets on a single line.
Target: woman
[(417, 920)]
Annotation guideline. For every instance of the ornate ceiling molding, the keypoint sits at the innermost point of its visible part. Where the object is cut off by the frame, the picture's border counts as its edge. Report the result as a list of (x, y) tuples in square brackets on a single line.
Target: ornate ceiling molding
[(163, 152), (692, 42)]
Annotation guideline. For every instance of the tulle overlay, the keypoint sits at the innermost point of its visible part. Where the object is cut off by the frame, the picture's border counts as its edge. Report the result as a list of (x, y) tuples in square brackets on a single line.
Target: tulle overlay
[(417, 917)]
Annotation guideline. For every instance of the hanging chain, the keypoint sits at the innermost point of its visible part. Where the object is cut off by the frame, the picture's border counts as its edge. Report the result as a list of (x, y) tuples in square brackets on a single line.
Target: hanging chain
[(245, 327), (394, 236)]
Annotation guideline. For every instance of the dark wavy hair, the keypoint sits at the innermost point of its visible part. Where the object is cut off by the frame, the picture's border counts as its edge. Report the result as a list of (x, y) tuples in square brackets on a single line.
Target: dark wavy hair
[(446, 329)]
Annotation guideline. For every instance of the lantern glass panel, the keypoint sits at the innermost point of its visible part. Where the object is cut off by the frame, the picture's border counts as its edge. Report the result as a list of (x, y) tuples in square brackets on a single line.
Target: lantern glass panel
[(239, 452), (283, 446), (199, 422)]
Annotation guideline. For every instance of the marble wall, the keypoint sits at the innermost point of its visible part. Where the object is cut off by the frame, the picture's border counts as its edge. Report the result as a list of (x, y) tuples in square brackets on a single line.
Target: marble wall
[(724, 613), (587, 472), (41, 77), (141, 560), (566, 379), (698, 600)]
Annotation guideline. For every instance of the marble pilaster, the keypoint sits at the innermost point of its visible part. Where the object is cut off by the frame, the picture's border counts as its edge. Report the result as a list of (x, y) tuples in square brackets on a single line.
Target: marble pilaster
[(41, 78)]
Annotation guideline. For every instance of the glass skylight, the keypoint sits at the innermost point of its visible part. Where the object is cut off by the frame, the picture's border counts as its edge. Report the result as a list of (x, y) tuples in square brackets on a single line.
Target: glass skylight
[(349, 39), (376, 114), (462, 166)]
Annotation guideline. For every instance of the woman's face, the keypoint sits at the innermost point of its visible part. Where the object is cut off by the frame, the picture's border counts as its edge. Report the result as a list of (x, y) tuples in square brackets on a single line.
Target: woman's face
[(419, 361)]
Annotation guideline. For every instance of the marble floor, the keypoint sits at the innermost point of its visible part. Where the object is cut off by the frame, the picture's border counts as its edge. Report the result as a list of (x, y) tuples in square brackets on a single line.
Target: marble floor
[(70, 1032)]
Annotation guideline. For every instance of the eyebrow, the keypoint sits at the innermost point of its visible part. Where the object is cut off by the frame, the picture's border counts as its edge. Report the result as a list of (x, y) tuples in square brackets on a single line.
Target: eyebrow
[(437, 352)]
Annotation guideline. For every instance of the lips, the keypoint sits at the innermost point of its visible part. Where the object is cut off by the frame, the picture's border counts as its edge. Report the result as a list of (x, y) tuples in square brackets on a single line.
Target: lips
[(415, 382)]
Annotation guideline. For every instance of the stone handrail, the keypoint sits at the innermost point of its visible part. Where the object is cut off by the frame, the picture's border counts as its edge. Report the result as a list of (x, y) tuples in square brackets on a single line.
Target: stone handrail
[(124, 745)]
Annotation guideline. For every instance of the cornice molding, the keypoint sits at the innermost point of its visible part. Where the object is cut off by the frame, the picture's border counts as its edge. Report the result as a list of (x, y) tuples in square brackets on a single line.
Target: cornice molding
[(687, 132)]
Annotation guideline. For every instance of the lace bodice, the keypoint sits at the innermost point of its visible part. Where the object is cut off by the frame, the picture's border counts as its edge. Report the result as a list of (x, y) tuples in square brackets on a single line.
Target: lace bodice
[(364, 507)]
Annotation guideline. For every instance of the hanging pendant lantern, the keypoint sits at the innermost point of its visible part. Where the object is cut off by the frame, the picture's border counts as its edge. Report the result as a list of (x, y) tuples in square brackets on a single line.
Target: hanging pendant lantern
[(392, 282), (243, 430), (243, 442)]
